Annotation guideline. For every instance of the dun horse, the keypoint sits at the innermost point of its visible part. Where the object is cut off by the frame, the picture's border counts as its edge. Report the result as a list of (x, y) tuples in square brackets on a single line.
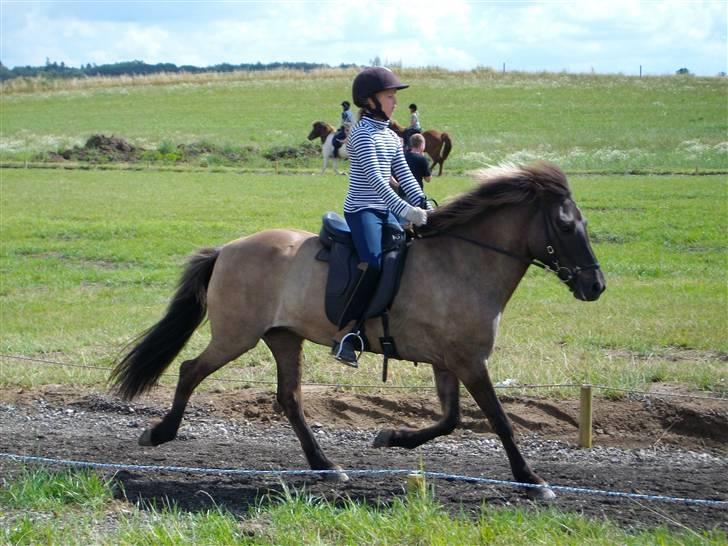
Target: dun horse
[(437, 144), (326, 133), (458, 278)]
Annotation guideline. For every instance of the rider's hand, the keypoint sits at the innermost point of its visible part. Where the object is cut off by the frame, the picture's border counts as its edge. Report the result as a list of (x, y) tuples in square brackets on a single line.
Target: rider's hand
[(417, 216)]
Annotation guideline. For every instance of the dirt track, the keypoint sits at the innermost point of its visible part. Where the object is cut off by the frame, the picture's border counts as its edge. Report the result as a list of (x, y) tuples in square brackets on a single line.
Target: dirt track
[(672, 447)]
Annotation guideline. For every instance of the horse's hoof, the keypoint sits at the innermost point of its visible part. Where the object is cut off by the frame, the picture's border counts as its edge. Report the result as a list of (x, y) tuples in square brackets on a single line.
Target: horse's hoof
[(146, 438), (541, 494), (383, 438), (337, 475)]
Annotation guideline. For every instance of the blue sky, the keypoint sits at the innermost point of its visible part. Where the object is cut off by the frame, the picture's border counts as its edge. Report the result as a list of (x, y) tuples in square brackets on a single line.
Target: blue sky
[(604, 36)]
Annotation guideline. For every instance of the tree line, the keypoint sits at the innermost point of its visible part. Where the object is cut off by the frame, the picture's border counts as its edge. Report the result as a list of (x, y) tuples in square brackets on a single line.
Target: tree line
[(136, 68)]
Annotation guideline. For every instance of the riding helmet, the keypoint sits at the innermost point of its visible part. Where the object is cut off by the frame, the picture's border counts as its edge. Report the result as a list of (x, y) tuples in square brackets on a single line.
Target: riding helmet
[(346, 104), (413, 106), (371, 81)]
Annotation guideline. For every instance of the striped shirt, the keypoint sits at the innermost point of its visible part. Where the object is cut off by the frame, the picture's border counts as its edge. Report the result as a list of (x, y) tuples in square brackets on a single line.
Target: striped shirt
[(375, 152)]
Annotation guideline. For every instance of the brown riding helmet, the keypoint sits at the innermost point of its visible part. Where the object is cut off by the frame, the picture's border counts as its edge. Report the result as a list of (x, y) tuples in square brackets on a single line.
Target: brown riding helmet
[(371, 81)]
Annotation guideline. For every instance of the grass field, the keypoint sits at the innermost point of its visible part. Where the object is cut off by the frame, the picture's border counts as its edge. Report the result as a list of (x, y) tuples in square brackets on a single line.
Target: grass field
[(89, 258), (606, 124), (78, 508)]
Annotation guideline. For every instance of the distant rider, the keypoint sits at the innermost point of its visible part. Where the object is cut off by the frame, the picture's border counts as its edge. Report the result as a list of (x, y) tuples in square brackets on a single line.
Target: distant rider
[(347, 122), (414, 125)]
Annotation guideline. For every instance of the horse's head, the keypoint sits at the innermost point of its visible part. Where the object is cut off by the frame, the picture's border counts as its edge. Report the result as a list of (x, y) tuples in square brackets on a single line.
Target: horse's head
[(558, 238), (397, 128), (320, 129)]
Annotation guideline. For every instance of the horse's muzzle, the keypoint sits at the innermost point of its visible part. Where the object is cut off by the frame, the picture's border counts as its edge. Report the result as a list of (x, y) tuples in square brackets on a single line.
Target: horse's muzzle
[(588, 285)]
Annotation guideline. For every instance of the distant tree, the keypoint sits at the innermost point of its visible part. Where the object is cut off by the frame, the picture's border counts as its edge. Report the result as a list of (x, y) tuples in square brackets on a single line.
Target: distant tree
[(53, 69), (5, 73), (682, 71), (376, 61)]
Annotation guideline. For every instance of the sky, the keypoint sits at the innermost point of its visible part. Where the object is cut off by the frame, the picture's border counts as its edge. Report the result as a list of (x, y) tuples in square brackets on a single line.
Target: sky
[(602, 36)]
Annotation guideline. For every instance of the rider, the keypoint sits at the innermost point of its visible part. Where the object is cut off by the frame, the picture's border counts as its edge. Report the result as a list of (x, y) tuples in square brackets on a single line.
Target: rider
[(414, 126), (347, 122), (375, 153)]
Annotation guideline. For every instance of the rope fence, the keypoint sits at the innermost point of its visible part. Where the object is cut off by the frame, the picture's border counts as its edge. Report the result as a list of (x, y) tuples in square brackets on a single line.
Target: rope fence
[(389, 387), (374, 472), (585, 440)]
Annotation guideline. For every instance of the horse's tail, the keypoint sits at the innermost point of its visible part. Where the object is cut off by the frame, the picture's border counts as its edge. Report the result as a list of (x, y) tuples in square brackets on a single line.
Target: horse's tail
[(157, 347), (446, 146)]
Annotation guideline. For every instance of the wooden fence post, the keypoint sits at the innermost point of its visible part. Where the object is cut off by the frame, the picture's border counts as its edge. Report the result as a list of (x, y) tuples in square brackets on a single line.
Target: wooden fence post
[(585, 416)]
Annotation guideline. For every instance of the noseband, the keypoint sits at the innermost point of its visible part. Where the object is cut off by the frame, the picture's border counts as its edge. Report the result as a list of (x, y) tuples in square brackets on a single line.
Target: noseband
[(565, 274)]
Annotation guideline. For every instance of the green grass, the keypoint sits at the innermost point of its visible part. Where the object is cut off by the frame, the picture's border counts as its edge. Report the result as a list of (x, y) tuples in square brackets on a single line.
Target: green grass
[(90, 258), (594, 123), (73, 507)]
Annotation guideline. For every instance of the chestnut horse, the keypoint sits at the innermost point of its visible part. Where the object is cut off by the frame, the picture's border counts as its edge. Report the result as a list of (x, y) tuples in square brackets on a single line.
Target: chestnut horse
[(458, 278), (326, 133), (437, 144)]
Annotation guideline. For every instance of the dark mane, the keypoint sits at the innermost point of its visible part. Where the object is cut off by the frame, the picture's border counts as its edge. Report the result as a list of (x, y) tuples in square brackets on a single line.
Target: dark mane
[(500, 186)]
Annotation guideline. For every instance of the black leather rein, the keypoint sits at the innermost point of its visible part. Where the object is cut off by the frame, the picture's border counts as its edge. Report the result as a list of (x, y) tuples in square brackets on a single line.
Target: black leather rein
[(554, 267)]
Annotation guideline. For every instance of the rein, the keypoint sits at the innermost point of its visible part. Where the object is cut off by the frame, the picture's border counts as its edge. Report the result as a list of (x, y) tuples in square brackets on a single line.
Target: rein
[(564, 274)]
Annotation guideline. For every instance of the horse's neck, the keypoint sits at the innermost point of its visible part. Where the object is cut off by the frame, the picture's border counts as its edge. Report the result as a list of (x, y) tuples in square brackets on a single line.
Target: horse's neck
[(505, 229)]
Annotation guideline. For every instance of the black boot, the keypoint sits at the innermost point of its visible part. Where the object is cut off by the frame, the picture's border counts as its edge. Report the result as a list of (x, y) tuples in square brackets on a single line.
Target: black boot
[(345, 350)]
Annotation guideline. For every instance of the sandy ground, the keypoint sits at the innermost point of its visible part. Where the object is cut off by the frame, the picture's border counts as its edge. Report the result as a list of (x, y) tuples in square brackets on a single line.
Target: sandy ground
[(659, 446)]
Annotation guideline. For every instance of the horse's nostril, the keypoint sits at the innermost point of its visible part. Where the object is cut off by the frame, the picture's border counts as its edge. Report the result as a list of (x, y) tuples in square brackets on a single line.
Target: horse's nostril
[(598, 288)]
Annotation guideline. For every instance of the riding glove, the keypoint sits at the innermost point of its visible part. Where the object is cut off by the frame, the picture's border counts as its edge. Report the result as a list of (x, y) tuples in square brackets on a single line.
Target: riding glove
[(417, 216)]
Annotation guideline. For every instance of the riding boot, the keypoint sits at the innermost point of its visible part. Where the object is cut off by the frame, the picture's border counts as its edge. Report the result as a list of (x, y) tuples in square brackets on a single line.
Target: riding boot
[(345, 350)]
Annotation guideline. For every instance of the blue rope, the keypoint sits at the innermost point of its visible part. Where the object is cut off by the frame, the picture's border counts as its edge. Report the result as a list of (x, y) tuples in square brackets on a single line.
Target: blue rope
[(353, 472)]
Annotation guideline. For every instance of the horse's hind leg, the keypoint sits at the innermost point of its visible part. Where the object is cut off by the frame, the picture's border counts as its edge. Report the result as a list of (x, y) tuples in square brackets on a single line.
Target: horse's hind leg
[(481, 388), (287, 351), (449, 394), (191, 374)]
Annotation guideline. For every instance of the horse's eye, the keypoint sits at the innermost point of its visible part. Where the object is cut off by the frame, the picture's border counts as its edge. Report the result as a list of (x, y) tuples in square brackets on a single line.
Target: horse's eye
[(567, 227)]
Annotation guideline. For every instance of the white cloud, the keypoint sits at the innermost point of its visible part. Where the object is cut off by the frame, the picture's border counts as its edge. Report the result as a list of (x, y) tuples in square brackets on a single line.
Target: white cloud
[(612, 36)]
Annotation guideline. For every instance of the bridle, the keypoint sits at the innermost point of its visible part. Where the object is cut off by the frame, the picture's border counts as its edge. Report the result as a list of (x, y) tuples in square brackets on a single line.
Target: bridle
[(552, 265)]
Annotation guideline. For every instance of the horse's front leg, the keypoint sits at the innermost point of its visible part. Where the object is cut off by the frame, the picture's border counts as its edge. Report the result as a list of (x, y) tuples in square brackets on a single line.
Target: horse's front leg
[(448, 391), (477, 380), (326, 162), (287, 351)]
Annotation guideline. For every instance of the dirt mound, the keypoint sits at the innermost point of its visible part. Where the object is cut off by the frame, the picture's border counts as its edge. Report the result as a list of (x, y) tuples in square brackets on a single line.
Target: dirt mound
[(103, 149), (633, 422)]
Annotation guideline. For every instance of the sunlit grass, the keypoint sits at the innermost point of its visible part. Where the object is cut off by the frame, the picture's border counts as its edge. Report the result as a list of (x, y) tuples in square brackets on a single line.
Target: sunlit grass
[(78, 508), (90, 258), (586, 123)]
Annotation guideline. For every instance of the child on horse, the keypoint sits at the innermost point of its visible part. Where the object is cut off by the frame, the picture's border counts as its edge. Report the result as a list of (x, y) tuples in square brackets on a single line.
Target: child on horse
[(414, 126), (375, 153), (347, 122)]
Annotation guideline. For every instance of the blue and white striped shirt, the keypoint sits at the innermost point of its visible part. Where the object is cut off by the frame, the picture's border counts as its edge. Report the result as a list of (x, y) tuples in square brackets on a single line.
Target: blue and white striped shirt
[(375, 152)]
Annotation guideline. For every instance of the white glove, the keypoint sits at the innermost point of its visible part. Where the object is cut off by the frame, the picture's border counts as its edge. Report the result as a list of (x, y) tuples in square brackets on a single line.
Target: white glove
[(416, 215)]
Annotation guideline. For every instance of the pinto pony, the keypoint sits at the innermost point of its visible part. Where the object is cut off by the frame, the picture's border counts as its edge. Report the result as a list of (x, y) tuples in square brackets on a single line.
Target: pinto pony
[(458, 278), (326, 132)]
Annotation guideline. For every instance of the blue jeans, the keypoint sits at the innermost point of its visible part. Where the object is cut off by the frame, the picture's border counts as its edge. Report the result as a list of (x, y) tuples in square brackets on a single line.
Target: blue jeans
[(366, 227)]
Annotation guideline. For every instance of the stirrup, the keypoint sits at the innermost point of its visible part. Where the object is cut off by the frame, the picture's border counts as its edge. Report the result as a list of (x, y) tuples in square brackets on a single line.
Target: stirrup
[(340, 345)]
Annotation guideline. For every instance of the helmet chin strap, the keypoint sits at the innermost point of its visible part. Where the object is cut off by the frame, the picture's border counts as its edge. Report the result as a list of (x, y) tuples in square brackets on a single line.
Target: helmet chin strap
[(377, 112)]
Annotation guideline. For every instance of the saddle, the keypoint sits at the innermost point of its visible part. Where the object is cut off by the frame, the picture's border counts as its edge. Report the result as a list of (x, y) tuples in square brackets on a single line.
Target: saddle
[(338, 250)]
